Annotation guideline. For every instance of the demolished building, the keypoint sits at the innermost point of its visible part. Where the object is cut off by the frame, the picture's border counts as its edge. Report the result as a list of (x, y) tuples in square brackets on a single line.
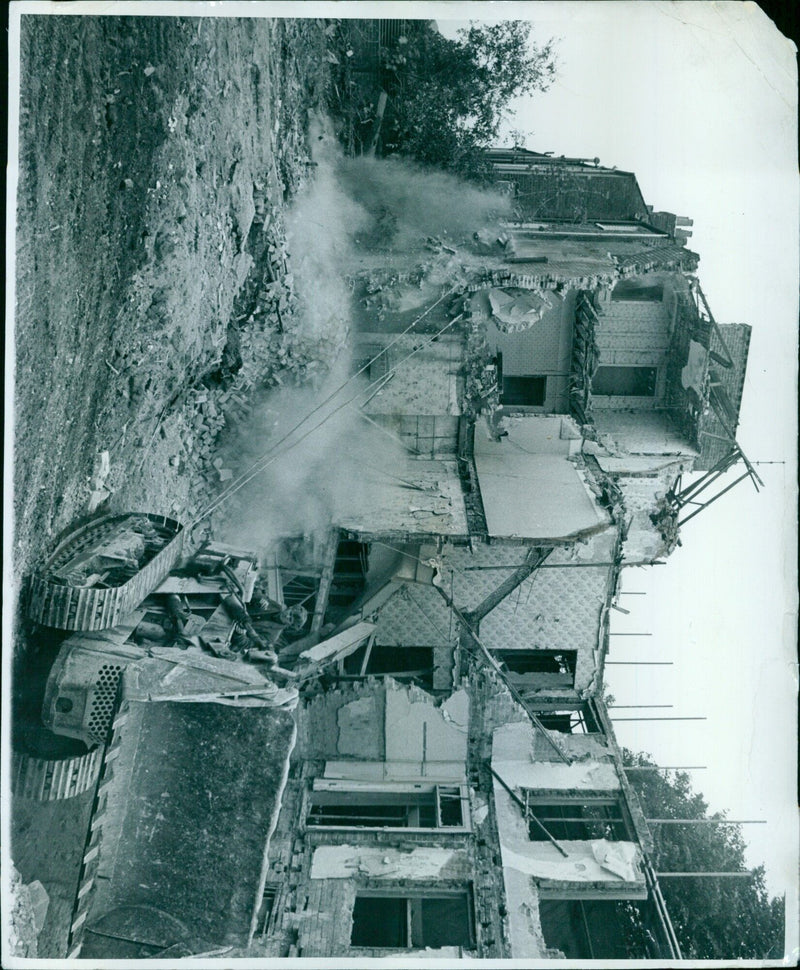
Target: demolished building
[(457, 788), (448, 783)]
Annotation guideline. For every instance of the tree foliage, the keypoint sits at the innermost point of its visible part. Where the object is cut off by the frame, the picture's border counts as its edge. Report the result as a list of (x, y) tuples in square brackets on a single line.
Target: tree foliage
[(714, 918), (447, 98)]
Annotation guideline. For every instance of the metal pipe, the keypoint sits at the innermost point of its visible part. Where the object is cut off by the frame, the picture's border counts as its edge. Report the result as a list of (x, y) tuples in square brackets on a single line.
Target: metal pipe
[(671, 875), (528, 816), (662, 911), (706, 821), (586, 929), (615, 719), (665, 767), (741, 478)]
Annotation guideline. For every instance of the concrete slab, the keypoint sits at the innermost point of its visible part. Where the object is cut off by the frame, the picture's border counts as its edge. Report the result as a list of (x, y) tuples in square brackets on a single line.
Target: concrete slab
[(409, 496), (529, 488)]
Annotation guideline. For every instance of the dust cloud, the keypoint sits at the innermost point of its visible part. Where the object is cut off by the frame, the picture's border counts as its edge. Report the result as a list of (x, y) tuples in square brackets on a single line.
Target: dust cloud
[(409, 204), (317, 457)]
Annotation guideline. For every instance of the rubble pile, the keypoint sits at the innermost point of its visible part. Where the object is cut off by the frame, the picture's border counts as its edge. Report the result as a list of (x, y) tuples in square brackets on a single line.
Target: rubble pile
[(26, 915), (482, 391)]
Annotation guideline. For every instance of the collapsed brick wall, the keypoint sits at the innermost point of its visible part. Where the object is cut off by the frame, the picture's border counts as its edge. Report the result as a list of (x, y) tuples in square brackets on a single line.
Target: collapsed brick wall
[(492, 705), (347, 722)]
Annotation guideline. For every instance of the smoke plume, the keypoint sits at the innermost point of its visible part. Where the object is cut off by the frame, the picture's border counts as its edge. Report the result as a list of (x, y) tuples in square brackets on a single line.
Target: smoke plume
[(333, 457)]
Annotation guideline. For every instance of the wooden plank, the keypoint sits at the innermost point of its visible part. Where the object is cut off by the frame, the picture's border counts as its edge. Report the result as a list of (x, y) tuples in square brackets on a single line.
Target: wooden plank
[(326, 581), (340, 645), (367, 654), (719, 359), (232, 669)]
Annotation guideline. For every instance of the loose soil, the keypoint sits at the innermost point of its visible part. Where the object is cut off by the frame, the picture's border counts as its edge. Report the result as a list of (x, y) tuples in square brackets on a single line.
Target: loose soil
[(145, 186), (155, 158)]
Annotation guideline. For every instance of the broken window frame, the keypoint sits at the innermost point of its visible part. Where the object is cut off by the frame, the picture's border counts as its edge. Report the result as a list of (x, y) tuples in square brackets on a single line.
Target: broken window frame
[(439, 796), (561, 816), (567, 661), (414, 940), (421, 676), (632, 290), (585, 939), (583, 718)]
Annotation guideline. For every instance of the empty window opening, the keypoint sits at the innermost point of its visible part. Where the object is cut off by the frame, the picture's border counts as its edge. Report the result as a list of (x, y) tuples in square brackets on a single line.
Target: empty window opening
[(439, 806), (412, 922), (576, 821), (557, 721), (349, 573), (620, 381), (539, 669), (527, 391), (582, 720), (593, 929), (402, 663), (631, 290)]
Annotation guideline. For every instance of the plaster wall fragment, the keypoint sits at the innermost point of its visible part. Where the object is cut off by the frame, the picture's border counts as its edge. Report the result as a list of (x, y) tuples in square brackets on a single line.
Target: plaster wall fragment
[(357, 723), (418, 730), (422, 863)]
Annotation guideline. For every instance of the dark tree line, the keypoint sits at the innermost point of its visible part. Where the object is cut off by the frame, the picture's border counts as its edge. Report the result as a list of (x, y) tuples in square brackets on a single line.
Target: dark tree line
[(446, 99), (714, 918)]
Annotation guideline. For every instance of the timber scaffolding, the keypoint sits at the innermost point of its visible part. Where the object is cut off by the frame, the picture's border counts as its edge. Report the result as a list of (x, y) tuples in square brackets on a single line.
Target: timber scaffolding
[(723, 416)]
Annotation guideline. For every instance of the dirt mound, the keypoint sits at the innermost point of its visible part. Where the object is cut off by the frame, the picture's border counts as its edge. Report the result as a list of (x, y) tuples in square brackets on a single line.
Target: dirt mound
[(149, 210)]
